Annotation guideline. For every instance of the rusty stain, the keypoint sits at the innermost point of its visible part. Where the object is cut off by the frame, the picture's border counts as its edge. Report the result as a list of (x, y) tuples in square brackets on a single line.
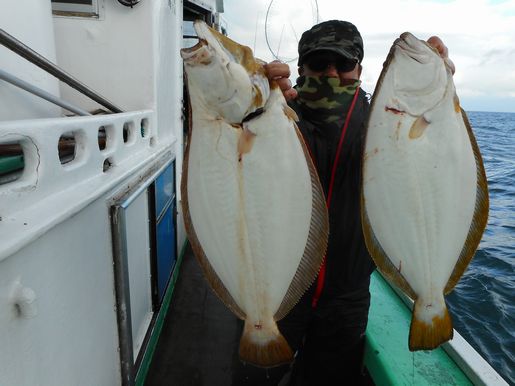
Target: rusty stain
[(370, 154)]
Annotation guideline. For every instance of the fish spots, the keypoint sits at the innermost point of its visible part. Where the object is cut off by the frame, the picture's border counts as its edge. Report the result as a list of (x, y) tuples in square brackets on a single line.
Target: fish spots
[(418, 127), (371, 153), (203, 58)]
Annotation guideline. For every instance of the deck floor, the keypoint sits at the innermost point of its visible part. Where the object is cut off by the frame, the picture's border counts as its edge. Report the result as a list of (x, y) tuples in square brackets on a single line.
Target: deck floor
[(200, 336), (198, 345)]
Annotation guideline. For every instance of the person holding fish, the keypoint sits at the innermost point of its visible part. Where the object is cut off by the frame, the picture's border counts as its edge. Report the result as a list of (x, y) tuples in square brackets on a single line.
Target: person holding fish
[(326, 328)]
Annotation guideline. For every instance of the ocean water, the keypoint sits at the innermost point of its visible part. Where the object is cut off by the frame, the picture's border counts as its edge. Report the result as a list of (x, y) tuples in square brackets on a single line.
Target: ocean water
[(482, 304)]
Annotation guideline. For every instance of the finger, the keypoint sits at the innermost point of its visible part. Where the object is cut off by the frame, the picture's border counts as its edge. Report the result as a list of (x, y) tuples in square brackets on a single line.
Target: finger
[(290, 94), (284, 83), (442, 49), (276, 69), (437, 43)]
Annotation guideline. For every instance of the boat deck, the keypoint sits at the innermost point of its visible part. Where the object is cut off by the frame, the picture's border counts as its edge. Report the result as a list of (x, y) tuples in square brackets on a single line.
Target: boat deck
[(198, 344), (200, 336)]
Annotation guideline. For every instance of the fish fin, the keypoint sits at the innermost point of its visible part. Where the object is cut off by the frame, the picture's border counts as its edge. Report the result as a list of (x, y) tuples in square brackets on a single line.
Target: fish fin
[(480, 217), (264, 348), (245, 141), (427, 336), (457, 107), (316, 244), (209, 273), (290, 113), (418, 127), (383, 263)]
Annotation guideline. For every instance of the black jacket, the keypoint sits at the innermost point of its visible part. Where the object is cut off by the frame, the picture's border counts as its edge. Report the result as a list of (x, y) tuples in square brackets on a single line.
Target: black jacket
[(348, 263)]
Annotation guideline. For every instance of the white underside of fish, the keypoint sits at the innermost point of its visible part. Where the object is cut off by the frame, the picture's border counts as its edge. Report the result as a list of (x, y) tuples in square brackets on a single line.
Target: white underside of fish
[(420, 192), (254, 208), (252, 212)]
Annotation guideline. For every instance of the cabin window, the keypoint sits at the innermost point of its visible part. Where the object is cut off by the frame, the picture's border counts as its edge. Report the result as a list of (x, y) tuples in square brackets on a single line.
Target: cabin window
[(67, 147), (128, 133), (11, 162), (84, 8)]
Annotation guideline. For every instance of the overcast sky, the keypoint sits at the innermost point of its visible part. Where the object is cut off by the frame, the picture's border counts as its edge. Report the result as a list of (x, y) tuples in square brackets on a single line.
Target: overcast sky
[(480, 35)]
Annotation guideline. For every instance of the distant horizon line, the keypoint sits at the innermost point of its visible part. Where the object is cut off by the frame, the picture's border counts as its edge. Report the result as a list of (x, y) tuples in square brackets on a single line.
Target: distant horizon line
[(488, 111)]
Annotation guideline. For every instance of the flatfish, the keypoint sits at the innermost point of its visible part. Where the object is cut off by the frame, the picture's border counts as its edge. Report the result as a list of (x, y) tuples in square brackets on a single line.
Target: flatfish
[(253, 205), (424, 193)]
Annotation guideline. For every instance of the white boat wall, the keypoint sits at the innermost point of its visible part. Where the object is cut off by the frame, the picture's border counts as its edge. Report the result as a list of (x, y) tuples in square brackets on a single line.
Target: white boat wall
[(89, 224)]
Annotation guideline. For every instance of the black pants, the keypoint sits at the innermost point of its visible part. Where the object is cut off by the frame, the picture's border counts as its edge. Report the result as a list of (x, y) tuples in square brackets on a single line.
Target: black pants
[(328, 341)]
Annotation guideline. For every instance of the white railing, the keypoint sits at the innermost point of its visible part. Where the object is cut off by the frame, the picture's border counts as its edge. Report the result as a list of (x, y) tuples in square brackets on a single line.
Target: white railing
[(108, 148)]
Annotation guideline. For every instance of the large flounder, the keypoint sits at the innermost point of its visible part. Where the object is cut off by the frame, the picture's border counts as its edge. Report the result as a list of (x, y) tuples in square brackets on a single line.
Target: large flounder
[(253, 205), (425, 196)]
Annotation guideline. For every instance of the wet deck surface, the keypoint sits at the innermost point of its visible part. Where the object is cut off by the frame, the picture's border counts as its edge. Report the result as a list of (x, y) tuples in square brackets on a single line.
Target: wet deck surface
[(200, 335)]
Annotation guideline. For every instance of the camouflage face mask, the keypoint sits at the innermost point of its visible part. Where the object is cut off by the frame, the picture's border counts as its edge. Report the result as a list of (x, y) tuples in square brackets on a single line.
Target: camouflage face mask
[(325, 98)]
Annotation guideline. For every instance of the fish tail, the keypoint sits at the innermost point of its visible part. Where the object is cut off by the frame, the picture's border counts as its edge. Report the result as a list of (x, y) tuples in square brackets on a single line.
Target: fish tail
[(430, 326), (264, 346)]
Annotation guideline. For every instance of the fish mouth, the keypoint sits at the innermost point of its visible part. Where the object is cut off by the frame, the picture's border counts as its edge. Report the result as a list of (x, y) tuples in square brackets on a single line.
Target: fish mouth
[(413, 47), (193, 49), (199, 54)]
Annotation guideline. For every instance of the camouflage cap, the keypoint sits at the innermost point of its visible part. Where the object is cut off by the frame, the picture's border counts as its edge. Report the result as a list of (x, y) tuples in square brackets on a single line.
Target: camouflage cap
[(337, 36)]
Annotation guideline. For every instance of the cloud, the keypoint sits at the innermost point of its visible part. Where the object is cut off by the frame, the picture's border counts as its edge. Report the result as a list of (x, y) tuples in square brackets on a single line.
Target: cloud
[(479, 34)]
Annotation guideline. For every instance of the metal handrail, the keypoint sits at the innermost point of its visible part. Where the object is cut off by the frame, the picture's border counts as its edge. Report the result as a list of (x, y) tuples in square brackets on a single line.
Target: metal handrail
[(28, 53), (40, 93)]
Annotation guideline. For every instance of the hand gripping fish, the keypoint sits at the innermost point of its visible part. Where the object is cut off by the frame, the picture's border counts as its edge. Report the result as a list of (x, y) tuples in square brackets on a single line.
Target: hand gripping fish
[(253, 206), (424, 194)]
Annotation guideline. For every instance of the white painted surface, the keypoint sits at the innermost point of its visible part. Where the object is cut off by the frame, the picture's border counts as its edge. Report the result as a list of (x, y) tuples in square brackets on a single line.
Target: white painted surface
[(113, 56), (29, 21), (72, 339), (55, 241), (138, 262), (479, 371)]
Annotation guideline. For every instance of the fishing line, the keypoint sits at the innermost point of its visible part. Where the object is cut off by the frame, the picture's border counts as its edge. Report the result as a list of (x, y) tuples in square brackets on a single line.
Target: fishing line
[(269, 23)]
